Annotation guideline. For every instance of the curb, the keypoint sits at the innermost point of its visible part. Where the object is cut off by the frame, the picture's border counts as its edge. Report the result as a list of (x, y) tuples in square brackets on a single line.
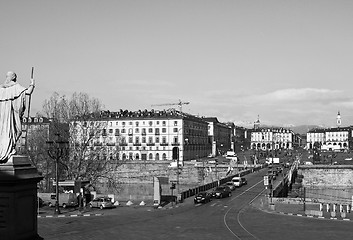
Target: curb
[(312, 216), (71, 215)]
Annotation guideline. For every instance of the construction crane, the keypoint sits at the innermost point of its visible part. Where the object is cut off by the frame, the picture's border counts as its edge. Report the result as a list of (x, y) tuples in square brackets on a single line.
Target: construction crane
[(180, 104)]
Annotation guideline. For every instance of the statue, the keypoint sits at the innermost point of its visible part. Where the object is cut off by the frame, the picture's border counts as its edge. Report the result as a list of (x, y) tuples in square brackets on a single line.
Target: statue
[(12, 108)]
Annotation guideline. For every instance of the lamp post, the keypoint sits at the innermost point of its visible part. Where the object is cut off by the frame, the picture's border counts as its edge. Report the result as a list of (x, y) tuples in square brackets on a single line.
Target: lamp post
[(56, 150)]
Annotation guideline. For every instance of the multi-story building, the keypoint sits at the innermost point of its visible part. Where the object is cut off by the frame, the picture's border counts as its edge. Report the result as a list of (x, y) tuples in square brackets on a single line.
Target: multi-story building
[(148, 135), (220, 135), (330, 139), (272, 139), (33, 125), (315, 137), (239, 138)]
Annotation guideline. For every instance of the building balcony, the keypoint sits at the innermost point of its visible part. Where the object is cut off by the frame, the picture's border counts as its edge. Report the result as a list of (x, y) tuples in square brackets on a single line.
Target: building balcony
[(110, 144), (164, 144), (175, 144), (137, 144), (123, 144), (150, 144)]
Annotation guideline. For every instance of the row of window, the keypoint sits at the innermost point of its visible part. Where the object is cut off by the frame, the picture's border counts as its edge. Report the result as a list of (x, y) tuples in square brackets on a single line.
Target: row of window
[(137, 130), (34, 120), (137, 123), (139, 140), (150, 156)]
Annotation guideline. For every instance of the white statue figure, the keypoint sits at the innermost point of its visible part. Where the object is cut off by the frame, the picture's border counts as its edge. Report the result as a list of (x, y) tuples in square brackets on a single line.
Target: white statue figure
[(12, 108)]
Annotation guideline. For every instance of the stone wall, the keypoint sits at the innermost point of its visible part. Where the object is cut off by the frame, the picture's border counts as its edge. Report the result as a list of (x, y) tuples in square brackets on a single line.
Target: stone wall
[(328, 183), (136, 178), (327, 176)]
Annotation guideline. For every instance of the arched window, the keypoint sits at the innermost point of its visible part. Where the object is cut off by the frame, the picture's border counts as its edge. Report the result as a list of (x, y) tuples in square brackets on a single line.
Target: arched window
[(150, 156), (157, 156), (137, 156), (164, 156), (124, 156)]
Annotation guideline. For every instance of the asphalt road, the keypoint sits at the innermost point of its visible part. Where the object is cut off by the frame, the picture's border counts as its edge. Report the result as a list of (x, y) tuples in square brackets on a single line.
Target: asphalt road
[(228, 218)]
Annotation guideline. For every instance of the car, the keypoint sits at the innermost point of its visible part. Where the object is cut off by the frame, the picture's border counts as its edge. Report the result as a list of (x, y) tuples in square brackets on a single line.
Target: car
[(221, 192), (244, 181), (230, 185), (239, 181), (272, 172), (202, 197), (271, 175), (101, 202)]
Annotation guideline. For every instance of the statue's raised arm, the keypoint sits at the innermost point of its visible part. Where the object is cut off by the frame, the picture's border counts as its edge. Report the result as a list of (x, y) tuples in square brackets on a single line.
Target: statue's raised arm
[(12, 108)]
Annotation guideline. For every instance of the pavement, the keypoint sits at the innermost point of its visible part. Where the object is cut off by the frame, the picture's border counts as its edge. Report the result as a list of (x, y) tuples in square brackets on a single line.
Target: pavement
[(262, 202), (312, 210)]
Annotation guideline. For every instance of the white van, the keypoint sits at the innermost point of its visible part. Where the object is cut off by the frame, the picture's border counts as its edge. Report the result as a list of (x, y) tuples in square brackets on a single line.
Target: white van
[(239, 181), (65, 200)]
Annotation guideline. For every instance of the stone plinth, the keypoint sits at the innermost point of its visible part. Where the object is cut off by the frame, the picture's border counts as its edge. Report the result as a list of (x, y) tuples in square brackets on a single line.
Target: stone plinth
[(18, 199)]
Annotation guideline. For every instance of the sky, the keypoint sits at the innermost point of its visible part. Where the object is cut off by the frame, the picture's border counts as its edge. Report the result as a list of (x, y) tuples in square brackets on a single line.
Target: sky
[(286, 62)]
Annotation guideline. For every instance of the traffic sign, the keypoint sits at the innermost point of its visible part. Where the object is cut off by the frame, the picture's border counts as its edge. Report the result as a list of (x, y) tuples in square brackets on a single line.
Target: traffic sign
[(266, 183)]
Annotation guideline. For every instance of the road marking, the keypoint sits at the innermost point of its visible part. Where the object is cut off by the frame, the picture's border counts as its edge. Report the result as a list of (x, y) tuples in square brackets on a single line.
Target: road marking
[(225, 215)]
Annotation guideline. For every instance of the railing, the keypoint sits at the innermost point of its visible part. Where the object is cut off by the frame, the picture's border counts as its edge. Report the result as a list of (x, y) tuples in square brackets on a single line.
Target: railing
[(208, 186)]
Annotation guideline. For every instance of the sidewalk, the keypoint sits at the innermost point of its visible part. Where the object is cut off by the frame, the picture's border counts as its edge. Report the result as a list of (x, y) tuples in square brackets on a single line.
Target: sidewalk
[(312, 210), (48, 212)]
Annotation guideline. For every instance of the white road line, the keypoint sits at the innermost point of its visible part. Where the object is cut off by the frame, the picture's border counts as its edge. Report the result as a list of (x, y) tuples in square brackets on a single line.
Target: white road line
[(225, 215)]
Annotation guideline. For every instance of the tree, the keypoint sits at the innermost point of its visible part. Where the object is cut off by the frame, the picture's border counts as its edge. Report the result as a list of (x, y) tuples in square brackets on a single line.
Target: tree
[(86, 131), (38, 155)]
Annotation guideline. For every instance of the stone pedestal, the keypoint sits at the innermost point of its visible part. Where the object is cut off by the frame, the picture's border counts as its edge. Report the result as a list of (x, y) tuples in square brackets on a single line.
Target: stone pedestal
[(18, 199)]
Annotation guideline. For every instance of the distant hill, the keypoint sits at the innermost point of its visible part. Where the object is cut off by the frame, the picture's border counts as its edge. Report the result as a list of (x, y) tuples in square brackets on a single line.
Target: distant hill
[(302, 129)]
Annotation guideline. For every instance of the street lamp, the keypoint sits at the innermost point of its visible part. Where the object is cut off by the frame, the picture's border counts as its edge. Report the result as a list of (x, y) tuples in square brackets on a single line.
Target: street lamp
[(56, 150)]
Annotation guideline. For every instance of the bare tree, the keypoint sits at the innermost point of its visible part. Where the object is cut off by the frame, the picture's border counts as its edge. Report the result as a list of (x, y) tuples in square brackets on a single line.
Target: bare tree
[(93, 155), (38, 155)]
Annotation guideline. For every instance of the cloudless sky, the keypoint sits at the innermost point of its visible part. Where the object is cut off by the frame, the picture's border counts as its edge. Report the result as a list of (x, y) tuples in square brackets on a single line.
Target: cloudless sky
[(290, 62)]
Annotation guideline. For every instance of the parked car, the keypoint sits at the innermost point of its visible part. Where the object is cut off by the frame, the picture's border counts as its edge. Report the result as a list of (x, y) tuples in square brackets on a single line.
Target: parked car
[(230, 185), (101, 202), (221, 192), (202, 197)]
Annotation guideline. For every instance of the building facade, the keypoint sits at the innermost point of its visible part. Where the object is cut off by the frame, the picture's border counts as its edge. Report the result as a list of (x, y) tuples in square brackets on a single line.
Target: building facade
[(329, 139), (272, 139), (147, 135), (220, 136)]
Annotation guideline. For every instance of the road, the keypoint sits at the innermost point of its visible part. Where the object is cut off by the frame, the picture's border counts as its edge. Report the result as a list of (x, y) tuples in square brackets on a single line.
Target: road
[(228, 218)]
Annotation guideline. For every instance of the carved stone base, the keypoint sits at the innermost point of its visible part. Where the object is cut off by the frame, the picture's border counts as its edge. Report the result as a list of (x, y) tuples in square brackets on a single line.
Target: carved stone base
[(18, 199)]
